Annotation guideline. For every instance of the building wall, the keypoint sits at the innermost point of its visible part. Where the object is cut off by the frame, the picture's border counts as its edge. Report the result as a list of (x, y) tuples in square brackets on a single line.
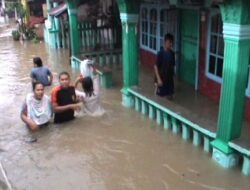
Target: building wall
[(207, 86), (147, 58)]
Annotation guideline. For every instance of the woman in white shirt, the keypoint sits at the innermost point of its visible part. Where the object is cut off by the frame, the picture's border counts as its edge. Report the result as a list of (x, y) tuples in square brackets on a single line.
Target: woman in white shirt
[(90, 96), (36, 110)]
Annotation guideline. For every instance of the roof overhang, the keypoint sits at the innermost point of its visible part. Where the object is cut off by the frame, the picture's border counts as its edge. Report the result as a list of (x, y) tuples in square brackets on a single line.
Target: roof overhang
[(57, 11)]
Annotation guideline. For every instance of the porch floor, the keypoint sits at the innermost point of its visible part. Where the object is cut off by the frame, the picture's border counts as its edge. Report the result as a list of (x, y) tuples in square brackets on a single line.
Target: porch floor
[(186, 99)]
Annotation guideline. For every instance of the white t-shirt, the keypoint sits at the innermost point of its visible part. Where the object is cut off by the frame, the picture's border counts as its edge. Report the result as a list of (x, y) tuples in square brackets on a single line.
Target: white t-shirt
[(92, 104), (40, 111), (86, 68)]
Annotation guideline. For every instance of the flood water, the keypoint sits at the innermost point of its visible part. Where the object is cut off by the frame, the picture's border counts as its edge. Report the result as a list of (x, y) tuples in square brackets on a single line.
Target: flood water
[(121, 150)]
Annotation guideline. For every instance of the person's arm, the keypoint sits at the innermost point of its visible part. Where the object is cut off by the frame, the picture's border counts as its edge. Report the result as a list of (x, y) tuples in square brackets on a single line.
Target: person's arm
[(50, 75), (96, 85), (29, 122), (50, 78), (93, 69), (78, 80), (59, 109), (156, 70), (33, 77), (174, 64)]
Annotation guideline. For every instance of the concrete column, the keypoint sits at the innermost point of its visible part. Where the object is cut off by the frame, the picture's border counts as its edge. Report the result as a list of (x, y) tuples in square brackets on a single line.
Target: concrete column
[(129, 11), (130, 53), (26, 8), (236, 31), (57, 29), (73, 28), (48, 8)]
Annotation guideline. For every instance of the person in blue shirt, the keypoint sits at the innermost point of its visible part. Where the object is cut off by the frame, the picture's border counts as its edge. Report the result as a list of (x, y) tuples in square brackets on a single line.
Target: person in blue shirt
[(164, 69), (41, 73)]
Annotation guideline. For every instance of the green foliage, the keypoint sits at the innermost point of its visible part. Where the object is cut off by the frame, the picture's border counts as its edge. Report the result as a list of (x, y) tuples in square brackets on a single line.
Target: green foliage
[(29, 33), (15, 34), (11, 5), (35, 40)]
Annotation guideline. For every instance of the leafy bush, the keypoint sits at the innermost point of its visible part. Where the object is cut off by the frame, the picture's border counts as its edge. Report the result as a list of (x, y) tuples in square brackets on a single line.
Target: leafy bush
[(15, 34), (29, 33)]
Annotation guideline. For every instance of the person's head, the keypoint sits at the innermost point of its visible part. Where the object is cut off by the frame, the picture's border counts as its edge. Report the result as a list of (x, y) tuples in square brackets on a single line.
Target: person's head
[(64, 79), (37, 62), (87, 86), (168, 41), (38, 90)]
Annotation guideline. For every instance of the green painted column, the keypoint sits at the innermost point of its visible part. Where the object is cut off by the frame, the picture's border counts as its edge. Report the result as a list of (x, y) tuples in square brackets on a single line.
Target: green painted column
[(129, 17), (73, 28), (51, 28), (48, 8), (57, 28), (45, 31), (236, 31), (48, 24)]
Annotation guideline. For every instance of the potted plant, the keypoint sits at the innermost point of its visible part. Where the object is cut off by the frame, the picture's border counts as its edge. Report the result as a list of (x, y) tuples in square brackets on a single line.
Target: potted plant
[(15, 35)]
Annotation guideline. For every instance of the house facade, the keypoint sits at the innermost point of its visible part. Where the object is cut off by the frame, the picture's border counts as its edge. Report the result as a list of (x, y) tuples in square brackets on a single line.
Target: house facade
[(199, 43), (212, 46)]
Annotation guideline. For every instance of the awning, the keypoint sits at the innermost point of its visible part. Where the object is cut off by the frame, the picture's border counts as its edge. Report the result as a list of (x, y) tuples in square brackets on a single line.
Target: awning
[(57, 11), (33, 20)]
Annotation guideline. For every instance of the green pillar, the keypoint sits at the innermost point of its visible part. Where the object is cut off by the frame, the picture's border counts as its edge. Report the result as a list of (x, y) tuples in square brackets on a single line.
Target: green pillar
[(51, 32), (57, 28), (48, 24), (48, 8), (73, 28), (129, 17), (236, 31)]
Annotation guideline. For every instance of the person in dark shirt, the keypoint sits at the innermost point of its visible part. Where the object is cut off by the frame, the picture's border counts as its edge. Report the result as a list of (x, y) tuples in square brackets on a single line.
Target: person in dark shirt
[(164, 69), (64, 101)]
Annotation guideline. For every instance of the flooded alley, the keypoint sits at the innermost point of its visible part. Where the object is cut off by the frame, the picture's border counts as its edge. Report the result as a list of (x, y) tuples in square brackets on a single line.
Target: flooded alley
[(122, 150)]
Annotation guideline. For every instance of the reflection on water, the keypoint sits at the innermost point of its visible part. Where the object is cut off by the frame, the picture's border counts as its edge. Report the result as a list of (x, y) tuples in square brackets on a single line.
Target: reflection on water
[(120, 150)]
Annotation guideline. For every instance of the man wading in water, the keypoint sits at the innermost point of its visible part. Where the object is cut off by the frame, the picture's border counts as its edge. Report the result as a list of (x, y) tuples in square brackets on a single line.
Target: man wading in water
[(64, 101), (41, 73)]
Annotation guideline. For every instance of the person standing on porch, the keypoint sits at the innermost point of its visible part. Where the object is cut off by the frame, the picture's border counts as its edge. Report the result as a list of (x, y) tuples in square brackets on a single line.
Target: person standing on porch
[(164, 69)]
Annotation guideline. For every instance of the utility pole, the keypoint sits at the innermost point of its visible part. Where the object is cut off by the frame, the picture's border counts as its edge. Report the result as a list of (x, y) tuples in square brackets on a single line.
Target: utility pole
[(3, 4), (4, 13)]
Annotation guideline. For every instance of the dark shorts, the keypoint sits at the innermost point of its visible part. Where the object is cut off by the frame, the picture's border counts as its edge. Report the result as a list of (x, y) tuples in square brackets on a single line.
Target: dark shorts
[(164, 90)]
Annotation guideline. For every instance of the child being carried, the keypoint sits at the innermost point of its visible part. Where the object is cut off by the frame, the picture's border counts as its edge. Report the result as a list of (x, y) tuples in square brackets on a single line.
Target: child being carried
[(90, 96)]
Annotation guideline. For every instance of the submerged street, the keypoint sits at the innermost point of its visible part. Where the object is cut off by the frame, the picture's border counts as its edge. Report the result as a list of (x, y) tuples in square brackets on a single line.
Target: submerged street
[(122, 150)]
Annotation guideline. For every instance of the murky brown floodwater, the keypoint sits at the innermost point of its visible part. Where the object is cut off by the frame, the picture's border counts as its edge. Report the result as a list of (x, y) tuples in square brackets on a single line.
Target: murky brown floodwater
[(122, 150)]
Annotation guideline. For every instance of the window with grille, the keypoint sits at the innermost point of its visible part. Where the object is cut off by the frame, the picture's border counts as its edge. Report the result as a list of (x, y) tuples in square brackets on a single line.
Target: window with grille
[(216, 48), (216, 51), (152, 28), (144, 27), (155, 22)]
